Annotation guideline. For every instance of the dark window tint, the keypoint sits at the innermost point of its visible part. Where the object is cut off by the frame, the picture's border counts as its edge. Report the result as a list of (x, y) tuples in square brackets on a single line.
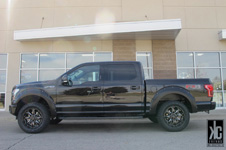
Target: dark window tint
[(120, 72)]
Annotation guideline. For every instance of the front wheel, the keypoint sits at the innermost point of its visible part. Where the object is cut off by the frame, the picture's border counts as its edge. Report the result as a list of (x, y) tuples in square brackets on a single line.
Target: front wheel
[(33, 118), (173, 116)]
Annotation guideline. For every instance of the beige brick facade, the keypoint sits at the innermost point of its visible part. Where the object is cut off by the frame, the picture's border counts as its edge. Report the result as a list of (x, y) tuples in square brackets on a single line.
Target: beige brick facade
[(164, 59), (124, 50)]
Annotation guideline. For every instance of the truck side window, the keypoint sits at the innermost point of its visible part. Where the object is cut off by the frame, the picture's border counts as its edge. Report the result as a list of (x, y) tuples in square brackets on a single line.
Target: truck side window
[(85, 74), (120, 72)]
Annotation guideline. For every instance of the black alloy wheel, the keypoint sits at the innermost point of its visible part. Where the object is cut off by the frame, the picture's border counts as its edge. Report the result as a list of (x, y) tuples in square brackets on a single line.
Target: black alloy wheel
[(33, 118), (173, 116)]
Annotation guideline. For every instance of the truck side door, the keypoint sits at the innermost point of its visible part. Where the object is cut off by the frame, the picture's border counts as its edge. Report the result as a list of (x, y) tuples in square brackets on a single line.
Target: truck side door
[(122, 89), (83, 94)]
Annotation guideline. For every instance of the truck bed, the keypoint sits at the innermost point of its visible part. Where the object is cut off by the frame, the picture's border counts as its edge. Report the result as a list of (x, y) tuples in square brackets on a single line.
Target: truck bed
[(194, 87)]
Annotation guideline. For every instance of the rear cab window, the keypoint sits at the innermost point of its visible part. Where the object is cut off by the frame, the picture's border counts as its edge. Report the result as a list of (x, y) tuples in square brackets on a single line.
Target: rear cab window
[(121, 73)]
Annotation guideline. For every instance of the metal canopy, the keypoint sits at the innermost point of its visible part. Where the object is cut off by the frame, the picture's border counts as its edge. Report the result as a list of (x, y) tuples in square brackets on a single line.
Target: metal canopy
[(157, 29)]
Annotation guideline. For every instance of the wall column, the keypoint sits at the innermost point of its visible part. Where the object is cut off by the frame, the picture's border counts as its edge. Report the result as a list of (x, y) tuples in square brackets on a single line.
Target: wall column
[(164, 59), (124, 50)]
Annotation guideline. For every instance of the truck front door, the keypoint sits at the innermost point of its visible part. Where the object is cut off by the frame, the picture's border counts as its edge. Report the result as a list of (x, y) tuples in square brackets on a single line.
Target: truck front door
[(82, 95)]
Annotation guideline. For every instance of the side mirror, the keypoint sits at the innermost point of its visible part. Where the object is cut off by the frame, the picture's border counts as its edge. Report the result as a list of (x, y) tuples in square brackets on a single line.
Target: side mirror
[(64, 80)]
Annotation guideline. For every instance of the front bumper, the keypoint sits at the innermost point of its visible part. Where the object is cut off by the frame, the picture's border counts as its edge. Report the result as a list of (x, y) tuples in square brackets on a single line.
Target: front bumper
[(12, 109), (206, 106)]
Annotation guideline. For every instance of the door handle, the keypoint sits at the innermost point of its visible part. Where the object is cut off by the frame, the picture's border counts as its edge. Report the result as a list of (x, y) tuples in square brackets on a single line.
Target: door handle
[(95, 88), (135, 87)]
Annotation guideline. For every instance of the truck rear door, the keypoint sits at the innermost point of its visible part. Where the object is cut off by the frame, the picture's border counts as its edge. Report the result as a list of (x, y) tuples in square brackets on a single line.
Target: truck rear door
[(122, 90)]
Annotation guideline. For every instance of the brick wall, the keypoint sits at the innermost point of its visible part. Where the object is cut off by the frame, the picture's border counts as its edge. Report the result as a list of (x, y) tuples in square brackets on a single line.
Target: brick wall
[(163, 51), (124, 50), (164, 59)]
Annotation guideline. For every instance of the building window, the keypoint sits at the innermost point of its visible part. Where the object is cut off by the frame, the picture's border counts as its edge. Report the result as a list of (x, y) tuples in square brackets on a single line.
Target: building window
[(52, 65), (146, 60), (28, 67), (204, 65), (3, 70), (185, 65), (48, 66)]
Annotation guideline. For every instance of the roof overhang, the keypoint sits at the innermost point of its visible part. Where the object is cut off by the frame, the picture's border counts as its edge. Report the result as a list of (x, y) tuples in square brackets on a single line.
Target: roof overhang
[(157, 29), (222, 34)]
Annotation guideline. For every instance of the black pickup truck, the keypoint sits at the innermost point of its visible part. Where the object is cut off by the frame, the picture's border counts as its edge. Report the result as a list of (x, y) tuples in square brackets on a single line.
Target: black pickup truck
[(110, 90)]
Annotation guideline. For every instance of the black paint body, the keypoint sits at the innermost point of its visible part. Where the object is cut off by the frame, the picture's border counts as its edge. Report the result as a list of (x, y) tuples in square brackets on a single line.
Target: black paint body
[(105, 98)]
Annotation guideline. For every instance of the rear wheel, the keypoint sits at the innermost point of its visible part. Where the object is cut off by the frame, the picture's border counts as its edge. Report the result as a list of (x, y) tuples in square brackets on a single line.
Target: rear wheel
[(173, 116), (33, 118)]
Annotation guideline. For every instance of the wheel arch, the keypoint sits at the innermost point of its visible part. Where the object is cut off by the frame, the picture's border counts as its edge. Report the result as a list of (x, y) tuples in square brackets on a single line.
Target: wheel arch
[(173, 93), (36, 96)]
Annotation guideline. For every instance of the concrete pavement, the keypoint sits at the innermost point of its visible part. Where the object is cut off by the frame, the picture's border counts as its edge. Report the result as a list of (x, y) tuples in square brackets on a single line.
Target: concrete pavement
[(135, 134)]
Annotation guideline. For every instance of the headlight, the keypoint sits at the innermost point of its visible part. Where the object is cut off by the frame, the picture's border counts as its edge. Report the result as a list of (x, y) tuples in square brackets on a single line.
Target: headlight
[(15, 91)]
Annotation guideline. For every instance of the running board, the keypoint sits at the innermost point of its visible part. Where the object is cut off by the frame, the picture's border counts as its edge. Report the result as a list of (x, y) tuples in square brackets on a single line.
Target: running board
[(100, 118)]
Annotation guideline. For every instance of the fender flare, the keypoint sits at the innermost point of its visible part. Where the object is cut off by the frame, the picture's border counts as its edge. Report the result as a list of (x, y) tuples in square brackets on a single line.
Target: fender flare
[(40, 93), (172, 90)]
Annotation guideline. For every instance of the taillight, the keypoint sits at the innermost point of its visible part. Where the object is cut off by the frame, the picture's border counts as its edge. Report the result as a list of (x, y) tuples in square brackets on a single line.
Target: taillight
[(209, 88)]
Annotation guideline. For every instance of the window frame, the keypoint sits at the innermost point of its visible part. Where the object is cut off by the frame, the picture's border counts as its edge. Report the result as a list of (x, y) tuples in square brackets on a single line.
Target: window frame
[(38, 69), (144, 68), (80, 66), (135, 80), (6, 73), (195, 69)]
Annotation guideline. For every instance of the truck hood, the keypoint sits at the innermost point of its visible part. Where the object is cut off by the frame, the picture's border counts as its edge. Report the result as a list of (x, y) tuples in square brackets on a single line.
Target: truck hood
[(36, 84)]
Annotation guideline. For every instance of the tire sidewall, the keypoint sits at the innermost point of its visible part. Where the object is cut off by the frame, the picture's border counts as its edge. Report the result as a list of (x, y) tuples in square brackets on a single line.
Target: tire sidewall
[(45, 115), (162, 121)]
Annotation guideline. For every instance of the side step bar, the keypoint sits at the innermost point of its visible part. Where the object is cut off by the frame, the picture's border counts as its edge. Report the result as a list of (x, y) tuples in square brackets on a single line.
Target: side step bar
[(100, 118)]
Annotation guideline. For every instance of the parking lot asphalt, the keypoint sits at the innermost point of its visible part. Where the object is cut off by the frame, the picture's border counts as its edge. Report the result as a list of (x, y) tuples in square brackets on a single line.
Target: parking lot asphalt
[(120, 134)]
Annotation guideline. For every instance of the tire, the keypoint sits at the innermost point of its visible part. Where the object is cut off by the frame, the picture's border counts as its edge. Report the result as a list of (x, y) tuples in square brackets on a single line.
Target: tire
[(55, 121), (153, 118), (173, 116), (33, 118)]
